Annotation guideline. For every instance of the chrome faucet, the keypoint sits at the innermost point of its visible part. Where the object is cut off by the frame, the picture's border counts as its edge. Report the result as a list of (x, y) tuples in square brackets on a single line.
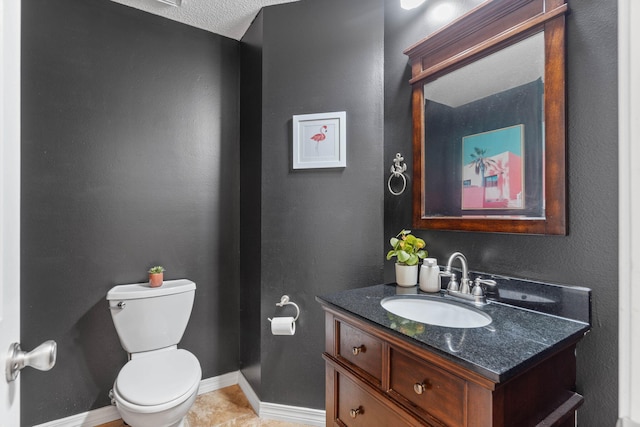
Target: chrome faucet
[(463, 291), (478, 289), (464, 281)]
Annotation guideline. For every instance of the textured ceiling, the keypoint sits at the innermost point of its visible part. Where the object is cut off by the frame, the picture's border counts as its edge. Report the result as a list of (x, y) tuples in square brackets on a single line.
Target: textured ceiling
[(229, 18)]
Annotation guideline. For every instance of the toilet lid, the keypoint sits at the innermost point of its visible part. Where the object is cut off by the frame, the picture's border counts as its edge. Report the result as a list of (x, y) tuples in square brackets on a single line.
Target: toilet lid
[(158, 378)]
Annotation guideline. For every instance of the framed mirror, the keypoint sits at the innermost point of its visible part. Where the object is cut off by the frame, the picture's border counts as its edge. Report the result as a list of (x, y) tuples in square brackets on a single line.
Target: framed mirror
[(488, 104)]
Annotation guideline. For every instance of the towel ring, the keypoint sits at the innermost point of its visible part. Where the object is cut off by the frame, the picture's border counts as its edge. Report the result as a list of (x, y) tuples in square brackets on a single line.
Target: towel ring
[(397, 171)]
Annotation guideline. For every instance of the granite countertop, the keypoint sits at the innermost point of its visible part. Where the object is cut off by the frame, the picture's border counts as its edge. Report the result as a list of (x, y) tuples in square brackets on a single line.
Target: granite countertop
[(516, 339)]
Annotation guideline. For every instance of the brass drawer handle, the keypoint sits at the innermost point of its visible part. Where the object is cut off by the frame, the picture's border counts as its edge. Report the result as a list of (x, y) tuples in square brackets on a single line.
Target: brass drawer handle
[(354, 412), (419, 388), (357, 350)]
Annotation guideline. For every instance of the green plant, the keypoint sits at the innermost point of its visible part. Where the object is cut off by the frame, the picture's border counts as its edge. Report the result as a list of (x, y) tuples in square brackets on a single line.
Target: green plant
[(407, 248), (157, 269)]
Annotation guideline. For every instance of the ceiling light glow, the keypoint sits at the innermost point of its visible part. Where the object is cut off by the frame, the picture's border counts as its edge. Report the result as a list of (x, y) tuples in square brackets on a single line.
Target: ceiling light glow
[(410, 4), (444, 12)]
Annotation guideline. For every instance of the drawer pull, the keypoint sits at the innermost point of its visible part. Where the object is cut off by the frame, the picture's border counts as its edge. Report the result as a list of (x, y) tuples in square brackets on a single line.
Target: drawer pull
[(419, 388), (354, 412), (357, 350)]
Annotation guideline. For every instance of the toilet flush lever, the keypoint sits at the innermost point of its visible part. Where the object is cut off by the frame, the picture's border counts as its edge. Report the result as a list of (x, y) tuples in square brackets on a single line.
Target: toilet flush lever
[(42, 358), (119, 305)]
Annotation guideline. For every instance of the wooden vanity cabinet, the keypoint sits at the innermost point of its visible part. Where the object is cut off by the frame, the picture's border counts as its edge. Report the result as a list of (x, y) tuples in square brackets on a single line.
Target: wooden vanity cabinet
[(375, 378)]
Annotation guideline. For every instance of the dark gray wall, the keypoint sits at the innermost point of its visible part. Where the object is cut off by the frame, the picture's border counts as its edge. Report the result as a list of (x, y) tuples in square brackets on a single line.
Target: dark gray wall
[(129, 158), (109, 92), (588, 255), (321, 229), (251, 201)]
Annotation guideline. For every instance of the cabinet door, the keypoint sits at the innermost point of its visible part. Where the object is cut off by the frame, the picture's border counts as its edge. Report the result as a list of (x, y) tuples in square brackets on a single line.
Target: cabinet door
[(361, 350)]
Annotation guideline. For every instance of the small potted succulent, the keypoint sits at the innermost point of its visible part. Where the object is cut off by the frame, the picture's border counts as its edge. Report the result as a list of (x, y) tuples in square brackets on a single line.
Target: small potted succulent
[(409, 250), (156, 276)]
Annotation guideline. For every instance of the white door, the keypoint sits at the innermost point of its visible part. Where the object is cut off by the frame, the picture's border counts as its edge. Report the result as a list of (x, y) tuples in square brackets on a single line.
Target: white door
[(9, 203), (629, 209)]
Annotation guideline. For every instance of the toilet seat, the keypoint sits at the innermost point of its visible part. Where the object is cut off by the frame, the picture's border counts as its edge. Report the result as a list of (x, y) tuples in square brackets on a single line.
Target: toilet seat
[(159, 378)]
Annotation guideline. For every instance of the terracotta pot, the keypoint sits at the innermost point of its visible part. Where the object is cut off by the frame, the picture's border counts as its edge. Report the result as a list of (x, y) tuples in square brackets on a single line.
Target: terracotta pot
[(156, 279), (406, 275)]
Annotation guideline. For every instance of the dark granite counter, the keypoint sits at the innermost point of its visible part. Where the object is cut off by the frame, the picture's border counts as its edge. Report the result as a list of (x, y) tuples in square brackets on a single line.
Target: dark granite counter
[(516, 339)]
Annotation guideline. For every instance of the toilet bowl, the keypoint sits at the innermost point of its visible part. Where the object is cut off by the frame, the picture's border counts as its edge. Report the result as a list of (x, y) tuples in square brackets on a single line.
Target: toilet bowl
[(157, 389), (159, 384)]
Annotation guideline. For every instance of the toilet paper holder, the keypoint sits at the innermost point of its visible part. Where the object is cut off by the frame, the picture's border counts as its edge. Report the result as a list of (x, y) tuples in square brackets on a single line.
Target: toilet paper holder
[(286, 301)]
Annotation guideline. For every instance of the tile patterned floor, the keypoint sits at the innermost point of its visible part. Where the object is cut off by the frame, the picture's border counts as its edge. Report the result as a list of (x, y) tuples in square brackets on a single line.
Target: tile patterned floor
[(227, 407)]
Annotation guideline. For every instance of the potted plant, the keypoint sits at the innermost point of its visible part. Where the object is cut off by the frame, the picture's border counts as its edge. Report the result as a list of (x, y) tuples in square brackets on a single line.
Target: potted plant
[(156, 276), (409, 250)]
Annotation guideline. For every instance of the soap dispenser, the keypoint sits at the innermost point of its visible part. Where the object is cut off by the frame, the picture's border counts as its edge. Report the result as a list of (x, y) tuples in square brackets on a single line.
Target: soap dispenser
[(430, 275)]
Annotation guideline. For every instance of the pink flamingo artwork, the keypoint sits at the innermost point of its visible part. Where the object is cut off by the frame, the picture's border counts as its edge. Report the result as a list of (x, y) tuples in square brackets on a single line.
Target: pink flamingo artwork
[(321, 136)]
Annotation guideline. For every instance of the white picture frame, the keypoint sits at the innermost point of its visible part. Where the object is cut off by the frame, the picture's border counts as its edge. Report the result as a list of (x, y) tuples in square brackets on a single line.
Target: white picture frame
[(320, 140)]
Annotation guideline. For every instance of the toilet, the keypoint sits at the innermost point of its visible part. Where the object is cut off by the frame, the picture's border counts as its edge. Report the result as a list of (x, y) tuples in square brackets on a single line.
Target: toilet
[(159, 383)]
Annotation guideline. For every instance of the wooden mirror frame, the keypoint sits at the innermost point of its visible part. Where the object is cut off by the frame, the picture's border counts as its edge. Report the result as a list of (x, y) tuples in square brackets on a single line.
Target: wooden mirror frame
[(486, 29)]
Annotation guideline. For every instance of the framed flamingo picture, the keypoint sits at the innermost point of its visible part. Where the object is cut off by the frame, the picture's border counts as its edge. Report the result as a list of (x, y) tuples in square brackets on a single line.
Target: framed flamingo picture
[(320, 140)]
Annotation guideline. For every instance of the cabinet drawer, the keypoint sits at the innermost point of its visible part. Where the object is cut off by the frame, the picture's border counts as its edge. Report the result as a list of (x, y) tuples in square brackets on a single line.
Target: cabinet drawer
[(356, 407), (361, 350), (428, 388)]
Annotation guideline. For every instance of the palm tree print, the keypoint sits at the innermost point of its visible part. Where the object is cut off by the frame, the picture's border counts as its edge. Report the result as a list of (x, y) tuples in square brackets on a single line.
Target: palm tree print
[(481, 163)]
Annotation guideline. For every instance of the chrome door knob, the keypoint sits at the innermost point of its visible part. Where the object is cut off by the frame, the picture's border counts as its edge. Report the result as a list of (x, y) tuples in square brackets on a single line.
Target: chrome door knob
[(42, 358)]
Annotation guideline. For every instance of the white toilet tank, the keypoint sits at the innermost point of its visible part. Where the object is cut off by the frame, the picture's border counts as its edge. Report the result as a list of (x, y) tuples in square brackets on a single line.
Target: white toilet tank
[(149, 318)]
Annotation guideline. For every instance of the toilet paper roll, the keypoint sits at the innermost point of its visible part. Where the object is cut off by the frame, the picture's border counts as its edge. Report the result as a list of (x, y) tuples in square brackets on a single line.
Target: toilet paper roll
[(283, 326)]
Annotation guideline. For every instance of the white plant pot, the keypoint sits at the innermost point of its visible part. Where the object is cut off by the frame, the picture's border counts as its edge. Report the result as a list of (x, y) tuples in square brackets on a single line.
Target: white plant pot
[(406, 275)]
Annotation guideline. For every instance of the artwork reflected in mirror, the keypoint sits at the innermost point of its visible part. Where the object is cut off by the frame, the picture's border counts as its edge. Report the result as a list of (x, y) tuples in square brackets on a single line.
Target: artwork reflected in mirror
[(492, 170), (488, 106), (484, 124)]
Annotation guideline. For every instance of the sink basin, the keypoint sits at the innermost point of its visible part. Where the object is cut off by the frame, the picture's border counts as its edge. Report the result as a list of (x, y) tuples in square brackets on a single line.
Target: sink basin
[(436, 312)]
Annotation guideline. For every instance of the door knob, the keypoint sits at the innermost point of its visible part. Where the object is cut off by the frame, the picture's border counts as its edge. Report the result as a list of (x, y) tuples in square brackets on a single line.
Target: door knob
[(42, 358)]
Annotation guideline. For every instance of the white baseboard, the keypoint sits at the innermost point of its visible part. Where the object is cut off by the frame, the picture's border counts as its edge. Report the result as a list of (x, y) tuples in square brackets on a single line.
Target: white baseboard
[(626, 422), (269, 411), (278, 412), (86, 419), (293, 414), (216, 383), (251, 395)]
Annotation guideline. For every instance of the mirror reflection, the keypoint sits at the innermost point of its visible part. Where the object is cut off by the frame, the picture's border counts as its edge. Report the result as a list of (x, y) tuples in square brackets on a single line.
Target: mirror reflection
[(484, 136)]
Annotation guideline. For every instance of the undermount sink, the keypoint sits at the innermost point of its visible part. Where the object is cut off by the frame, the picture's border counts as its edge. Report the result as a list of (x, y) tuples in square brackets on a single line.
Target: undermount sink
[(435, 312)]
